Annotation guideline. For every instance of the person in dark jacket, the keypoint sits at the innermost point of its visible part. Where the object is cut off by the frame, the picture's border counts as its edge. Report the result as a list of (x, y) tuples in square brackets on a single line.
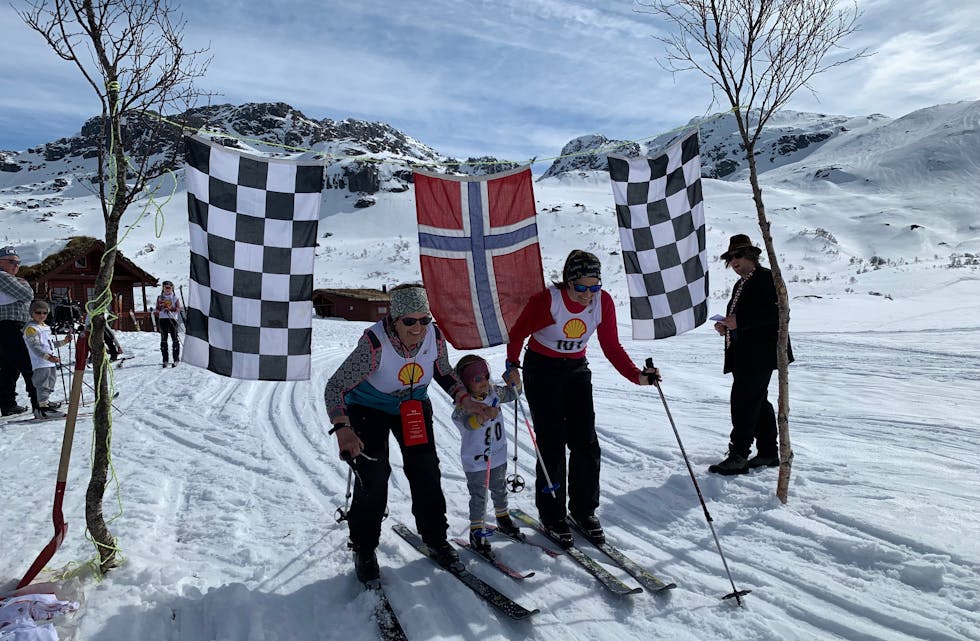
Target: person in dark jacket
[(750, 329)]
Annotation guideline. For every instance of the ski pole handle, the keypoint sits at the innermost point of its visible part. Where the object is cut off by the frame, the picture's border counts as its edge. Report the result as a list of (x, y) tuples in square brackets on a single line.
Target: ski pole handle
[(651, 377)]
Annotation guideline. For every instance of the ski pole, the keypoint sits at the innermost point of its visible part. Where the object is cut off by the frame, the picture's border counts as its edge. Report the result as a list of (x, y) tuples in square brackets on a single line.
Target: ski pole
[(352, 463), (484, 532), (515, 482), (551, 488), (61, 370), (736, 593), (341, 513), (88, 385)]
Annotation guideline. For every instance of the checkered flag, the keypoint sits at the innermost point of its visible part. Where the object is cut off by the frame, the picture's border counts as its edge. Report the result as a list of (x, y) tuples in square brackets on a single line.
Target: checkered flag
[(661, 228), (253, 223)]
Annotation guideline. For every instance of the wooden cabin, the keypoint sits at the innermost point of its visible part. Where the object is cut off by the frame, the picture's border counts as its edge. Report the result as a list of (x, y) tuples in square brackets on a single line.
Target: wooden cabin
[(352, 304), (69, 276)]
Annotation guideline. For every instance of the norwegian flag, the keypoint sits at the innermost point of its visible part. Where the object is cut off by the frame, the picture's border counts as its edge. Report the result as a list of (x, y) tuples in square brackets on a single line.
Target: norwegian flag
[(478, 245)]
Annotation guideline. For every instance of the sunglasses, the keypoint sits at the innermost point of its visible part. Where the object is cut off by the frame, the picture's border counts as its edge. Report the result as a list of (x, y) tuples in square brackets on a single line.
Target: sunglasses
[(586, 288), (40, 312), (408, 321), (736, 255), (11, 260)]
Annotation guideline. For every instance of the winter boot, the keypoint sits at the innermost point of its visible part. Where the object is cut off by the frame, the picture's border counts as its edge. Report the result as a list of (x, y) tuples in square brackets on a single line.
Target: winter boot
[(366, 565), (13, 409), (558, 530), (480, 542), (445, 554), (51, 405), (507, 527), (590, 527), (733, 464), (44, 412), (763, 461)]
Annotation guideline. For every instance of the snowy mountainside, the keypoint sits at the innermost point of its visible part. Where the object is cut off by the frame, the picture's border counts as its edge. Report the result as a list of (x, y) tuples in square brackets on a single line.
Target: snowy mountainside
[(789, 137), (833, 238), (364, 157)]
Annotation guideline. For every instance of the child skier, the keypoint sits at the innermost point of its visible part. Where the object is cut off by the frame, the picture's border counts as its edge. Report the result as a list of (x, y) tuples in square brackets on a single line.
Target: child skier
[(41, 346), (482, 445)]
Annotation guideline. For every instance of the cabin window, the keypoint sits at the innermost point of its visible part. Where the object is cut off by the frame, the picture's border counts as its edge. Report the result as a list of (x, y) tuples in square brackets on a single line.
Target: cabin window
[(60, 293), (382, 310), (81, 262)]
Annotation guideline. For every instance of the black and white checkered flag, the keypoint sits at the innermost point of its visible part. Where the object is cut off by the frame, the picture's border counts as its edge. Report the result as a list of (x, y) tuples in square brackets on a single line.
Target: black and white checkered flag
[(253, 223), (661, 229)]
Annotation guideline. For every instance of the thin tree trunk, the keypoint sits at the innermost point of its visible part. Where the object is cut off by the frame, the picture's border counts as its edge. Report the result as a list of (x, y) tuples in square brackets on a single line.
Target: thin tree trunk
[(102, 420), (782, 342), (102, 440)]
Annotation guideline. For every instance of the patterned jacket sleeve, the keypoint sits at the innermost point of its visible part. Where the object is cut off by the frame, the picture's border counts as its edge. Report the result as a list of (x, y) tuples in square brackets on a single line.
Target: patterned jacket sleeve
[(356, 368)]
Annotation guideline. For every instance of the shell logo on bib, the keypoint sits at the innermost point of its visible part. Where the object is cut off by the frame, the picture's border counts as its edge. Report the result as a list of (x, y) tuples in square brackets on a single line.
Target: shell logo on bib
[(410, 374), (574, 328)]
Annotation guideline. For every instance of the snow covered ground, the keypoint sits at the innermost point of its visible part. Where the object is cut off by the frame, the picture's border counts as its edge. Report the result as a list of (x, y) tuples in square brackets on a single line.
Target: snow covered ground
[(226, 490)]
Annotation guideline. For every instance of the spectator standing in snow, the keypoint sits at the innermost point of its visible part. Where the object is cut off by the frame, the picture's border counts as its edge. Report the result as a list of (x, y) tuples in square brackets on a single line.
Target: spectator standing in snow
[(560, 321), (15, 298), (382, 388), (484, 443), (168, 311), (41, 346), (750, 329)]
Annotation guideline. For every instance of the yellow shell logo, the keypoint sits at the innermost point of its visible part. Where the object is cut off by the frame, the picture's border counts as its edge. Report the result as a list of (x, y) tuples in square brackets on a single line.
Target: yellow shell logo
[(574, 328), (410, 374)]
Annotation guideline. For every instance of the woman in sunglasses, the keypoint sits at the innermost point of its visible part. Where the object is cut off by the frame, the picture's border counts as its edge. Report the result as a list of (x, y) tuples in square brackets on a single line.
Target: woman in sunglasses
[(382, 387), (560, 321)]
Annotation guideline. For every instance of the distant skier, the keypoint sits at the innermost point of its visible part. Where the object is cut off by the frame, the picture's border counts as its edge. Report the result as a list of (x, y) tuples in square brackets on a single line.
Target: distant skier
[(41, 345), (168, 309)]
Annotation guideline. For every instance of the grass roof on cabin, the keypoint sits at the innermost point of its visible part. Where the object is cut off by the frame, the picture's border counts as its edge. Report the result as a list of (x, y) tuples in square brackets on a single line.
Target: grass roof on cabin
[(77, 247)]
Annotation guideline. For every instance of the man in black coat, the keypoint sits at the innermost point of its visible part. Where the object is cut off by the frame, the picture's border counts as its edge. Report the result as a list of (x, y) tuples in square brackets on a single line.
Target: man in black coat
[(750, 329)]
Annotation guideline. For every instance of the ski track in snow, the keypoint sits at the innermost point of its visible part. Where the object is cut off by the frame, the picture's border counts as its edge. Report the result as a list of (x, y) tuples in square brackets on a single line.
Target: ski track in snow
[(238, 459)]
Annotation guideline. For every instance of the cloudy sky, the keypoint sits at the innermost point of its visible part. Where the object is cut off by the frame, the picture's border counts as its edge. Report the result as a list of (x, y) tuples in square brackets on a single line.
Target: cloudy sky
[(509, 78)]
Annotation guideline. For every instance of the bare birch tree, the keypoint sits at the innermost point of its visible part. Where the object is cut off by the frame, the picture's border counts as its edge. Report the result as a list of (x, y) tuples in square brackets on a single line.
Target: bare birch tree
[(132, 54), (757, 54)]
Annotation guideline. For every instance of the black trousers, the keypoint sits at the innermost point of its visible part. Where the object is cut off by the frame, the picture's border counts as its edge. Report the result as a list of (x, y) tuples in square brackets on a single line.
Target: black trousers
[(14, 361), (421, 467), (168, 327), (559, 393), (753, 417)]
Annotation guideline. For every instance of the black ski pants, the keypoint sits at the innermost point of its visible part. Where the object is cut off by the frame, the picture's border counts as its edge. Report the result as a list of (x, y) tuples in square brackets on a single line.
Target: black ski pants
[(559, 393), (420, 464), (753, 417), (168, 327), (14, 361)]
